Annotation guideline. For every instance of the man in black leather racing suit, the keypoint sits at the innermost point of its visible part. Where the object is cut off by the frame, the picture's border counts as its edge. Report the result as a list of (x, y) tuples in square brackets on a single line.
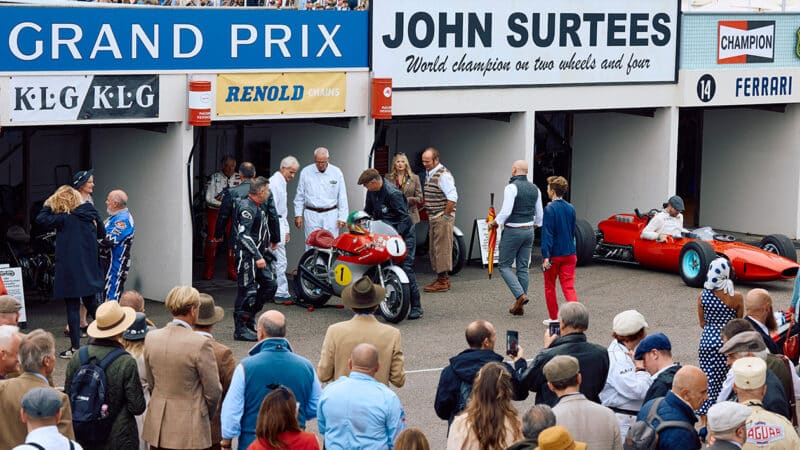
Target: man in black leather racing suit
[(254, 260)]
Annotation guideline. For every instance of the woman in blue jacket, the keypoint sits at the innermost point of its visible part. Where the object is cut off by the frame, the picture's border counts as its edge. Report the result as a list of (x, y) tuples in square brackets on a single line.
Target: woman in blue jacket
[(78, 277)]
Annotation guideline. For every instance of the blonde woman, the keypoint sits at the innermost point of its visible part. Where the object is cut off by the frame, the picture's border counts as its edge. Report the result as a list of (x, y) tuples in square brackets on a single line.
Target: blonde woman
[(78, 277), (407, 183), (490, 421)]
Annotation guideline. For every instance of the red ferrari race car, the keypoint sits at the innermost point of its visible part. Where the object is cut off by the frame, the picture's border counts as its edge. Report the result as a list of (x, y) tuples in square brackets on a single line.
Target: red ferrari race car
[(618, 239)]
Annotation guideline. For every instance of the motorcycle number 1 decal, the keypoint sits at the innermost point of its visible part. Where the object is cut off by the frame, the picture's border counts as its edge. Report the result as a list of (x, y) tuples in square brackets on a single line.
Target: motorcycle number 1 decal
[(395, 246), (342, 275)]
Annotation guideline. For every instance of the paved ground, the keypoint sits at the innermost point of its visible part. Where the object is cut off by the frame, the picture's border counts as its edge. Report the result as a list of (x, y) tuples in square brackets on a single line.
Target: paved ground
[(668, 305)]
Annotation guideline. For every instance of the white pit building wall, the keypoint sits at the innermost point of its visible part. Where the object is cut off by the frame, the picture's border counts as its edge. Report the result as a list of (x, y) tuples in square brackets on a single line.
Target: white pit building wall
[(751, 170), (621, 162), (151, 168)]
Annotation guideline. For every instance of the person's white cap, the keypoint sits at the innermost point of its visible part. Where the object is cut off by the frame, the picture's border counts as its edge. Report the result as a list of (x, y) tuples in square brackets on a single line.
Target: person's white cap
[(628, 323), (727, 416)]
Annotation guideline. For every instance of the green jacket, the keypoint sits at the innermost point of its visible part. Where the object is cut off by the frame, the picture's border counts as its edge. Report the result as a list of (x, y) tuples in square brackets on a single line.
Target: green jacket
[(125, 397)]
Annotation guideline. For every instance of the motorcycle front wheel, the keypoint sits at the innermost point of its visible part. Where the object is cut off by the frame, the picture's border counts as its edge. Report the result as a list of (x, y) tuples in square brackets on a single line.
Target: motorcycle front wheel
[(312, 264), (394, 308)]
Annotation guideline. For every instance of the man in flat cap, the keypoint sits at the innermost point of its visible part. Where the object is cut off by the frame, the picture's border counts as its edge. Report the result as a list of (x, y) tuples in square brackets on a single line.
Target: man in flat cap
[(765, 429), (666, 223), (586, 420), (385, 202), (655, 353), (9, 310), (727, 425), (41, 411), (750, 344)]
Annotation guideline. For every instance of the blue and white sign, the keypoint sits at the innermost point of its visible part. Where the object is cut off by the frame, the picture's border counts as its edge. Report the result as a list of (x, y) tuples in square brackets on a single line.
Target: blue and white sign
[(59, 39)]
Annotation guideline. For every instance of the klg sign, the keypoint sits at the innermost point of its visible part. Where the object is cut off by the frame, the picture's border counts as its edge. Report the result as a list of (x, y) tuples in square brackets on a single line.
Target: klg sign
[(68, 98)]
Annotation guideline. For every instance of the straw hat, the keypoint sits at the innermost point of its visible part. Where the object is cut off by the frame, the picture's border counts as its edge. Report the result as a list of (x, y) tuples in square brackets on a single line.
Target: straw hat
[(112, 320)]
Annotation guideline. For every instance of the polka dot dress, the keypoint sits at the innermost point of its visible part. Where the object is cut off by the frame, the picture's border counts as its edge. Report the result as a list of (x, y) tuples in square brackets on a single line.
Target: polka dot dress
[(716, 314)]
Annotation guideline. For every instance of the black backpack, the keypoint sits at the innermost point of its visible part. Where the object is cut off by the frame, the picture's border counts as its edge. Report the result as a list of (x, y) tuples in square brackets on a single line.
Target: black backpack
[(91, 419), (643, 434)]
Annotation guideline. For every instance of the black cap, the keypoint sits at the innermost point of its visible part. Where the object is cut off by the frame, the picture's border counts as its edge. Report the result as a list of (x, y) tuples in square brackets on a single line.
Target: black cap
[(81, 177), (676, 202)]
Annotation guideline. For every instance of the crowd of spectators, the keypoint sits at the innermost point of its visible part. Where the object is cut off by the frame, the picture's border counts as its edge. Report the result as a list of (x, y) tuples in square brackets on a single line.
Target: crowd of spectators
[(163, 382), (315, 5)]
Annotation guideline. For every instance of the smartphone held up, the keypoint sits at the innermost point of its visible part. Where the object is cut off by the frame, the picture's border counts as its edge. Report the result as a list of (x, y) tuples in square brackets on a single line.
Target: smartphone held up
[(512, 342)]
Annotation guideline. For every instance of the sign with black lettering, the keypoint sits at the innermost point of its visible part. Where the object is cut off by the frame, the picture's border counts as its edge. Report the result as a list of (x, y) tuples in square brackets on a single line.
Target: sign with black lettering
[(69, 98), (12, 279), (746, 41), (537, 42)]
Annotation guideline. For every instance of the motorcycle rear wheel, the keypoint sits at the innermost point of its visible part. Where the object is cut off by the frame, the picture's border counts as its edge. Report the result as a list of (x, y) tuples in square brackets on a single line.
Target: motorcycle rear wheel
[(394, 308), (306, 290)]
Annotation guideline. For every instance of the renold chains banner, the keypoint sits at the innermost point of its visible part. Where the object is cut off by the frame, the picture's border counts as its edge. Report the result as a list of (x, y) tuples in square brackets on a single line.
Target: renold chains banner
[(524, 42)]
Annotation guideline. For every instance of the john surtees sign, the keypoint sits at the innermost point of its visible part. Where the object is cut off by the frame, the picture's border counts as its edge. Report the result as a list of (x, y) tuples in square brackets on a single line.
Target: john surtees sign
[(535, 42)]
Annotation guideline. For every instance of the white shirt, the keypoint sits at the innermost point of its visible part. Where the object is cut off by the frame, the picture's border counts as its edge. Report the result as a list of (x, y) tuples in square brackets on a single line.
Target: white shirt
[(509, 195), (663, 223), (625, 387), (48, 437), (277, 185), (321, 190), (216, 184), (446, 183)]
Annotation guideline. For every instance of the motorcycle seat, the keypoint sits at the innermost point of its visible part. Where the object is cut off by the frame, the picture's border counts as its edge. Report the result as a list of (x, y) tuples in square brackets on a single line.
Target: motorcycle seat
[(320, 239)]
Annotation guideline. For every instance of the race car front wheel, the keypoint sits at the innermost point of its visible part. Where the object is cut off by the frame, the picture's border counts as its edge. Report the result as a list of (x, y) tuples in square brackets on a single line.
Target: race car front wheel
[(780, 245), (694, 261)]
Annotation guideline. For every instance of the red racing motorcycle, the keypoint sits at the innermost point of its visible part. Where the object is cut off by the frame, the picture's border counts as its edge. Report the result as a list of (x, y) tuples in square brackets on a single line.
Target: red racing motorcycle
[(369, 247)]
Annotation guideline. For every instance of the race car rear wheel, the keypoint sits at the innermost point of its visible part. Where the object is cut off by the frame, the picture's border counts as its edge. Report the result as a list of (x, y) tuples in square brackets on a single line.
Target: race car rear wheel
[(585, 242), (694, 261), (780, 245)]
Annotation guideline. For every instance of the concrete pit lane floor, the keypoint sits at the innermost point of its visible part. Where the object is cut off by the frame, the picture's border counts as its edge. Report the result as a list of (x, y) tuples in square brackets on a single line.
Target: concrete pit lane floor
[(668, 305)]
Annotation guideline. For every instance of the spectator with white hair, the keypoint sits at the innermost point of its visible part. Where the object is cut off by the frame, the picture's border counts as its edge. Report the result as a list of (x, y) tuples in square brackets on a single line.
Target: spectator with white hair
[(10, 339), (37, 358), (321, 200), (278, 184)]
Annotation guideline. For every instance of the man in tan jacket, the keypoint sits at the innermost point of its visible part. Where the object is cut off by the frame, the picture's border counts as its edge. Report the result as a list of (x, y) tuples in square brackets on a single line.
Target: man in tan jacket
[(182, 371), (37, 355), (363, 297)]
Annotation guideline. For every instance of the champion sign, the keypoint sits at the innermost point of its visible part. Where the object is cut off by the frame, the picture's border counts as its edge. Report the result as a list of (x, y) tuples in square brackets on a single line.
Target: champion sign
[(69, 98), (746, 41)]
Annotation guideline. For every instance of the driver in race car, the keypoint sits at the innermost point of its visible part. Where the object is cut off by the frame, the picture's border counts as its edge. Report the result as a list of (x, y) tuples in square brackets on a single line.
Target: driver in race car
[(384, 202), (254, 260), (666, 223)]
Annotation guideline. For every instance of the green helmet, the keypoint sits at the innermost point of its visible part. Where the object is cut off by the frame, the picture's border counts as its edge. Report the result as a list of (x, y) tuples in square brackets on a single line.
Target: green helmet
[(355, 221)]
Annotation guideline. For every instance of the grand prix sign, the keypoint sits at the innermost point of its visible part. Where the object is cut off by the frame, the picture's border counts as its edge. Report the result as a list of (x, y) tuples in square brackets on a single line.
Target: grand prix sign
[(157, 39), (746, 41), (532, 42)]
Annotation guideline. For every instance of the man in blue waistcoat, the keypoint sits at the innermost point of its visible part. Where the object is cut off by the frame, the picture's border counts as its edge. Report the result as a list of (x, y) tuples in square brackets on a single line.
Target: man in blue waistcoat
[(271, 364), (521, 211)]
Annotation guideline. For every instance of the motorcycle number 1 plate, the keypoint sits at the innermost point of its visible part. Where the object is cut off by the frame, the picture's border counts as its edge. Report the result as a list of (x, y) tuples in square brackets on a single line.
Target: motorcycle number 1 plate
[(395, 246), (342, 275)]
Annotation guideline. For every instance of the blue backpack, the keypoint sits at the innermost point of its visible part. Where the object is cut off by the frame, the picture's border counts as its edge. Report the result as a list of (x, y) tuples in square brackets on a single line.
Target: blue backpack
[(91, 419)]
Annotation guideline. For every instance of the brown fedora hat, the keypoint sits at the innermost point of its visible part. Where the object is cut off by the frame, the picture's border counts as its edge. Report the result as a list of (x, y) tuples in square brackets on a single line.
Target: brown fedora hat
[(209, 312), (363, 294), (111, 320)]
